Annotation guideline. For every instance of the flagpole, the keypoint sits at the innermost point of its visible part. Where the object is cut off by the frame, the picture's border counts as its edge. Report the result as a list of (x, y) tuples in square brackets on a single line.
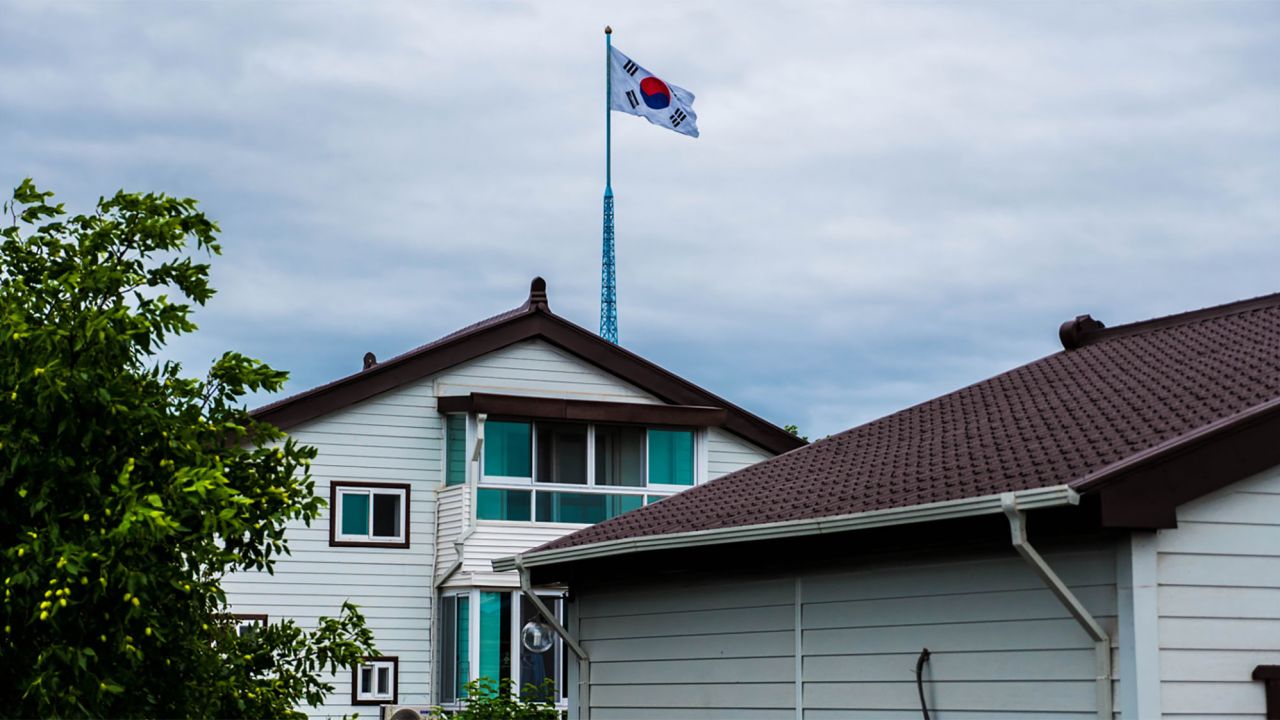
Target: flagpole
[(608, 277), (608, 116)]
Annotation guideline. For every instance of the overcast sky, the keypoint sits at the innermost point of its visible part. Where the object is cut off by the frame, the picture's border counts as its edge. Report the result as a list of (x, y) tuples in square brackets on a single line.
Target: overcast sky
[(888, 200)]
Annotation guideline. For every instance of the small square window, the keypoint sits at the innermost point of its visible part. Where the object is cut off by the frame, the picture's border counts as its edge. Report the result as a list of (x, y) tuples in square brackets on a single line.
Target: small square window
[(374, 681), (369, 514)]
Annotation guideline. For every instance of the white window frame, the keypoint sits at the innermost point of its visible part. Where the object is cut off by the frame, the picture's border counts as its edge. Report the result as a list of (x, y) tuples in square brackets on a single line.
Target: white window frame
[(650, 492), (485, 477), (361, 695), (337, 538), (449, 655), (473, 639), (668, 488), (562, 691)]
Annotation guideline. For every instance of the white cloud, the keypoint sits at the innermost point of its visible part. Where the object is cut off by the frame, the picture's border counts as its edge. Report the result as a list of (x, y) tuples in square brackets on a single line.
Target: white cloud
[(889, 200)]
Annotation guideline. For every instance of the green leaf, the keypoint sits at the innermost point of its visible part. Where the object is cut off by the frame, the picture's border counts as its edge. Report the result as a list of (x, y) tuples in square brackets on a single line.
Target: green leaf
[(133, 488)]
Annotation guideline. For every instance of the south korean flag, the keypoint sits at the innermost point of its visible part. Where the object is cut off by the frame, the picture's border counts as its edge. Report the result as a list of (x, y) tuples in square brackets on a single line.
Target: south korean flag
[(635, 90)]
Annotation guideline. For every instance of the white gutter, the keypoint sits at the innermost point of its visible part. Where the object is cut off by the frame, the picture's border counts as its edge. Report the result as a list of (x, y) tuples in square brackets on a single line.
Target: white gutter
[(1056, 496), (1013, 509), (584, 661)]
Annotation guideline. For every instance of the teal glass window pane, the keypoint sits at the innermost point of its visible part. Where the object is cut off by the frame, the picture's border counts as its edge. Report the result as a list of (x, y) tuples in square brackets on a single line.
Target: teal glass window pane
[(355, 513), (448, 648), (463, 656), (508, 449), (670, 457), (562, 453), (455, 458), (619, 504), (496, 504), (569, 507), (620, 455), (495, 635)]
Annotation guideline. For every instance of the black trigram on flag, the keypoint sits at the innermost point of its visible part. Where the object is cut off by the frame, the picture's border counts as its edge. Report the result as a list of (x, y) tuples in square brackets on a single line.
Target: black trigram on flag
[(678, 117), (631, 98), (630, 67)]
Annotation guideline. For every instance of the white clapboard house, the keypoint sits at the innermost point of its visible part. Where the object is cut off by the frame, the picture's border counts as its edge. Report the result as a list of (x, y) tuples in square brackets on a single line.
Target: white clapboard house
[(1093, 535), (487, 442)]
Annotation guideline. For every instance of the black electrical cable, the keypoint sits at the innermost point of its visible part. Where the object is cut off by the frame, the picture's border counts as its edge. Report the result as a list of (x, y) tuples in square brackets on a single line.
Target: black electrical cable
[(920, 661)]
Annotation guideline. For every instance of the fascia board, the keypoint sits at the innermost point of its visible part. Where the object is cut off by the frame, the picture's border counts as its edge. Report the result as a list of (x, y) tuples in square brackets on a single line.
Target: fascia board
[(1056, 496)]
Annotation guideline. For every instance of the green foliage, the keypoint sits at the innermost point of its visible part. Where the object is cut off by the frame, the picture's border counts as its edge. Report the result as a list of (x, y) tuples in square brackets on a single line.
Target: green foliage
[(488, 699), (127, 490), (795, 430)]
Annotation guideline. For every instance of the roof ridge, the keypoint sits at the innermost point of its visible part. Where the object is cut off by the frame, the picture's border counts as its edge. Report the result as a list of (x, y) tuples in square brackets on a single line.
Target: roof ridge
[(533, 319), (504, 315), (1089, 331), (537, 302)]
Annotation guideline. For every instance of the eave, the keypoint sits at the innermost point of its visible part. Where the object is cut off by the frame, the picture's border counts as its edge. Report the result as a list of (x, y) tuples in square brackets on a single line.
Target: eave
[(1057, 496)]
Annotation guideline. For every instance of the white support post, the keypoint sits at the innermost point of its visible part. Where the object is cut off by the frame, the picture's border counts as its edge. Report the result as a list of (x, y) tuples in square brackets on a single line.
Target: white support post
[(1137, 588), (799, 647)]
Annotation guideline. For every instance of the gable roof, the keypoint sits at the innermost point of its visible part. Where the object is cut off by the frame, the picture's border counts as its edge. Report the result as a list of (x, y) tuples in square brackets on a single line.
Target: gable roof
[(1145, 416), (532, 320)]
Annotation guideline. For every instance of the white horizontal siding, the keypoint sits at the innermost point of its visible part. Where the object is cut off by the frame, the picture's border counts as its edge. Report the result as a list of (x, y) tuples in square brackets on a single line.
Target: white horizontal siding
[(1000, 643), (393, 437), (495, 539), (706, 648), (710, 646), (452, 509), (398, 437), (537, 368), (727, 452), (1219, 600)]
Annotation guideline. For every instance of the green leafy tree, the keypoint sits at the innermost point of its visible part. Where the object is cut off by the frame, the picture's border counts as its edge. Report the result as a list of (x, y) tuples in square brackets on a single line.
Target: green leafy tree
[(489, 699), (127, 491)]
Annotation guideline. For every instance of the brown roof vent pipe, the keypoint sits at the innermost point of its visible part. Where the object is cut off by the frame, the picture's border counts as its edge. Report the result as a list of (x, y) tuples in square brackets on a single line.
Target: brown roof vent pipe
[(1075, 333), (538, 294)]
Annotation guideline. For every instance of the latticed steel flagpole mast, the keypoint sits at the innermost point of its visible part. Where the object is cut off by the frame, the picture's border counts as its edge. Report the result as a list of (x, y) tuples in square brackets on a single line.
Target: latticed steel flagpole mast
[(608, 275)]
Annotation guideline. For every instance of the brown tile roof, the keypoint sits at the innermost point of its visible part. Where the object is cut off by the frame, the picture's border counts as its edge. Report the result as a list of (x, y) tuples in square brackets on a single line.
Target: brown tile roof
[(1067, 419), (533, 319)]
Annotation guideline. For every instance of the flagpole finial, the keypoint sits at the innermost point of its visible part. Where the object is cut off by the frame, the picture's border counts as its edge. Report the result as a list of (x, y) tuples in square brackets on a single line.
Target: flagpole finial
[(608, 30)]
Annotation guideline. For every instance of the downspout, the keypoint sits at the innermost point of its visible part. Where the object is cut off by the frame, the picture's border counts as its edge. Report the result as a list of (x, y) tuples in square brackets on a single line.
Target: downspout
[(1101, 641), (584, 662), (469, 505)]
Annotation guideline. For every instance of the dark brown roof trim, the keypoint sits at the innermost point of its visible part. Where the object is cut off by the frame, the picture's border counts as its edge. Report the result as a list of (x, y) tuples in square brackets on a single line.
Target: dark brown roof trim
[(393, 373), (532, 320), (583, 410), (665, 385), (1144, 490), (1084, 330)]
